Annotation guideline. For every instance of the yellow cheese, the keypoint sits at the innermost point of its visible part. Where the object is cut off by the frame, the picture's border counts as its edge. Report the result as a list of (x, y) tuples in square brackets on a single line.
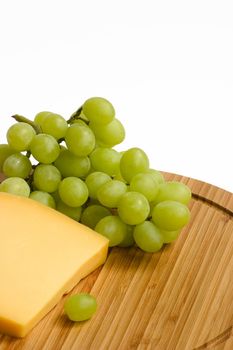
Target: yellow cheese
[(43, 255)]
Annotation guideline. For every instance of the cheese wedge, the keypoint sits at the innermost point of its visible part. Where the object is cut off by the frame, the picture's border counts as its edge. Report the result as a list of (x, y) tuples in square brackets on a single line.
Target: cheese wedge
[(43, 255)]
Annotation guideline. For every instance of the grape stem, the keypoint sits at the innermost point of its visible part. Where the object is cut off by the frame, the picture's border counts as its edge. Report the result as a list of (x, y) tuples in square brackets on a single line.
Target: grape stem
[(77, 116), (20, 118), (30, 177), (28, 154)]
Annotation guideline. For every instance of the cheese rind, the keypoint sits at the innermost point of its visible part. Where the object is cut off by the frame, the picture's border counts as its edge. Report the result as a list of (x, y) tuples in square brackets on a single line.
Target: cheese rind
[(43, 255)]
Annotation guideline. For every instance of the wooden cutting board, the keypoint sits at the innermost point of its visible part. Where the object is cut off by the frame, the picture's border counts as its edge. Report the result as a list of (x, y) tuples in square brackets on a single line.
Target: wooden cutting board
[(180, 298)]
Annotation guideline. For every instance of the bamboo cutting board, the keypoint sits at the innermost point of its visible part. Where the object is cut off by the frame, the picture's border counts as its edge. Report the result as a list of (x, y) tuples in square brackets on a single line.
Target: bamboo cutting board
[(180, 298)]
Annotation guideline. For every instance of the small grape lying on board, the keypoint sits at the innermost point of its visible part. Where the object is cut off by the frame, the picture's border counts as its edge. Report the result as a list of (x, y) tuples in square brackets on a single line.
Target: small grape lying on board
[(72, 166), (80, 307)]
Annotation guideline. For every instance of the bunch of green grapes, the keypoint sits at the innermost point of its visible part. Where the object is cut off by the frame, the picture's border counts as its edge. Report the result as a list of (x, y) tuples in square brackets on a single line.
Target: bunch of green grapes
[(72, 166)]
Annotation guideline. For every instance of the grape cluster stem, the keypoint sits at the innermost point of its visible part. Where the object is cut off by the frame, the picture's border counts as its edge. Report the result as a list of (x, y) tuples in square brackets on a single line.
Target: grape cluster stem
[(20, 118)]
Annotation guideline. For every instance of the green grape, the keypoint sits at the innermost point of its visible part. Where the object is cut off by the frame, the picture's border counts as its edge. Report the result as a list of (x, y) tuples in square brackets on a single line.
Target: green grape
[(110, 193), (46, 178), (93, 214), (17, 165), (110, 134), (94, 181), (80, 307), (73, 191), (106, 160), (15, 185), (169, 236), (80, 140), (45, 148), (20, 136), (5, 152), (71, 165), (113, 228), (145, 184), (128, 240), (44, 198), (148, 237), (133, 208), (175, 191), (170, 215), (98, 110), (73, 212), (157, 175), (39, 117), (55, 125), (133, 161)]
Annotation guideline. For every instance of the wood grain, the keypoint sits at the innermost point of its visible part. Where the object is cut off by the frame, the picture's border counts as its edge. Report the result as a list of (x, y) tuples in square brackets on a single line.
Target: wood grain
[(179, 298)]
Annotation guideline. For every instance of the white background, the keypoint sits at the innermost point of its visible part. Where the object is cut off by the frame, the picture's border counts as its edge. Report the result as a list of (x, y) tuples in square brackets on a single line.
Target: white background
[(167, 67)]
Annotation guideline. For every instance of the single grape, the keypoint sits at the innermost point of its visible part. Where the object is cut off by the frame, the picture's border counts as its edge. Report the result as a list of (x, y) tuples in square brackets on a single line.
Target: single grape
[(169, 236), (94, 181), (148, 237), (46, 178), (73, 212), (133, 208), (45, 148), (93, 214), (17, 165), (170, 215), (128, 240), (39, 117), (174, 191), (113, 228), (145, 184), (5, 152), (15, 185), (110, 134), (133, 161), (20, 136), (80, 140), (98, 110), (110, 193), (44, 198), (157, 175), (54, 125), (106, 160), (71, 165), (80, 307), (73, 191)]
